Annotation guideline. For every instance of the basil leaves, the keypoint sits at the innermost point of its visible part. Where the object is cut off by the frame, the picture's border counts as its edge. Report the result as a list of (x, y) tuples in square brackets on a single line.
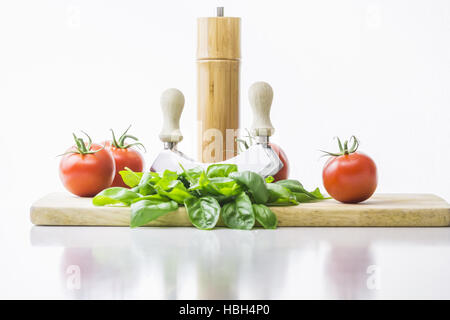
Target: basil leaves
[(254, 183), (299, 192), (265, 216), (115, 196), (142, 212), (241, 199), (239, 214), (203, 212)]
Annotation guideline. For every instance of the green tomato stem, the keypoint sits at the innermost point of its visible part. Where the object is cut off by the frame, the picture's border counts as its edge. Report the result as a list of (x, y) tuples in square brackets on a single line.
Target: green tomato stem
[(81, 147), (120, 144), (344, 150)]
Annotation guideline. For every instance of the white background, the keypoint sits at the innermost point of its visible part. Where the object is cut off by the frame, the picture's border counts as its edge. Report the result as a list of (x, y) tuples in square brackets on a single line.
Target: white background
[(376, 69)]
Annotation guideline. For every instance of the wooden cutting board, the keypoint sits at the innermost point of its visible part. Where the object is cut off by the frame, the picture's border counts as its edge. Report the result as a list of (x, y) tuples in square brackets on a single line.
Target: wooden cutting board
[(382, 210)]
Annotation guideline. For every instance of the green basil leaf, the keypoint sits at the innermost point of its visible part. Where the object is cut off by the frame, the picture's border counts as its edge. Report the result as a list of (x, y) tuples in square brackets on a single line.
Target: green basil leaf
[(167, 181), (303, 197), (318, 194), (145, 186), (220, 170), (265, 216), (297, 188), (170, 175), (217, 186), (174, 190), (200, 183), (292, 185), (269, 179), (179, 195), (142, 212), (225, 186), (203, 212), (115, 195), (202, 188), (131, 178), (190, 177), (155, 198), (185, 181), (279, 195), (154, 177), (223, 199), (254, 183), (239, 213)]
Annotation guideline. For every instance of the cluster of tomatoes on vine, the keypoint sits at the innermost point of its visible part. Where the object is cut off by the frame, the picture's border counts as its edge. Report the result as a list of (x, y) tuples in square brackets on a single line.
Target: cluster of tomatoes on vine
[(87, 168)]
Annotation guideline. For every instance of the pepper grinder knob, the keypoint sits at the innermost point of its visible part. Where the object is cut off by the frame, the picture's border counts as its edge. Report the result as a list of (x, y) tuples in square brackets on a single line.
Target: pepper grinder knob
[(260, 95), (172, 104)]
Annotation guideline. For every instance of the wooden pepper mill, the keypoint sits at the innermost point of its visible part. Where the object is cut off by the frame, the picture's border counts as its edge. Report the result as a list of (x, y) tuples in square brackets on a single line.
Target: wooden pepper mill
[(218, 60)]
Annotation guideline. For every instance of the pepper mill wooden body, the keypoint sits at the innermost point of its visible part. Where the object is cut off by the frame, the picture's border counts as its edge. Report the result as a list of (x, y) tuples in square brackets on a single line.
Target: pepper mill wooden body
[(218, 64)]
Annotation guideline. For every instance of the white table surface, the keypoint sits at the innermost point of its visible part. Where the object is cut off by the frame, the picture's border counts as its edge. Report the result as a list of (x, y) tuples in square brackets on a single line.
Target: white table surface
[(186, 263)]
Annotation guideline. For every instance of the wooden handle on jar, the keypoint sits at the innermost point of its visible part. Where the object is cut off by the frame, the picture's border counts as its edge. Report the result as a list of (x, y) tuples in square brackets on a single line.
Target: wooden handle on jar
[(172, 104), (260, 95)]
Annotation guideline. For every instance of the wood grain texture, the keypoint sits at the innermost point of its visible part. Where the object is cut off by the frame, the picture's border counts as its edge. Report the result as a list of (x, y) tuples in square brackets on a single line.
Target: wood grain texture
[(382, 210), (260, 96), (218, 64), (172, 104), (217, 109), (219, 38)]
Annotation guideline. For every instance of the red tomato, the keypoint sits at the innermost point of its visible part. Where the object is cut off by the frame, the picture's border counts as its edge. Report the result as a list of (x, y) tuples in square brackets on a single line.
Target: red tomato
[(284, 172), (350, 177), (125, 157), (85, 175)]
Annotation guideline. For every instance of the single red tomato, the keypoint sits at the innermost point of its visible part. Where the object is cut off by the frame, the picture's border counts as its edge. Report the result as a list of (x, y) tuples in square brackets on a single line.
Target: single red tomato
[(124, 156), (284, 172), (86, 169), (350, 176)]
